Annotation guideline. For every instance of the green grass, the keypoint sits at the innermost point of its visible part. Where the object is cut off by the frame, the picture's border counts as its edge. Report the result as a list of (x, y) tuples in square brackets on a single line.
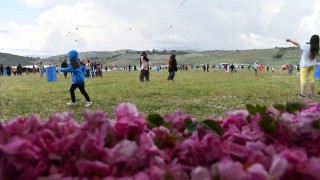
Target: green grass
[(195, 92)]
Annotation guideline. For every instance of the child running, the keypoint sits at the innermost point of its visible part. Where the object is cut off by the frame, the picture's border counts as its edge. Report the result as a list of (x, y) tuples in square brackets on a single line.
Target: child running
[(78, 76)]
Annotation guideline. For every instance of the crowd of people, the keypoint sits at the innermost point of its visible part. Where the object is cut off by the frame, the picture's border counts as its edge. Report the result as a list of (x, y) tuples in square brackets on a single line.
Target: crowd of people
[(95, 69), (19, 70), (306, 68), (92, 69), (79, 71)]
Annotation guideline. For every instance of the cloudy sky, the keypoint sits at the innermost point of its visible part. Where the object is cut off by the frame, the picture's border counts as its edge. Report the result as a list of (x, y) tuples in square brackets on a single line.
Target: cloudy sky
[(51, 27)]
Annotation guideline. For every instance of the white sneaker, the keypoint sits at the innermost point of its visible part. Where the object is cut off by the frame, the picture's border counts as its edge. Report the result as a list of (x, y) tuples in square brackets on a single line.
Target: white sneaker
[(71, 103), (88, 104)]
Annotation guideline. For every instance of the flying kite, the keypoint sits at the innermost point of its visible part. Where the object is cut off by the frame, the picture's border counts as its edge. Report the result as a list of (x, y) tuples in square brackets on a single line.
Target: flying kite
[(73, 32), (216, 8), (182, 3), (126, 31), (167, 29)]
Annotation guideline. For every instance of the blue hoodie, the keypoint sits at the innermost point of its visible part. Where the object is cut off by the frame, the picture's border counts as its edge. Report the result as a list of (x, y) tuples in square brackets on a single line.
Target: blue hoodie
[(78, 72)]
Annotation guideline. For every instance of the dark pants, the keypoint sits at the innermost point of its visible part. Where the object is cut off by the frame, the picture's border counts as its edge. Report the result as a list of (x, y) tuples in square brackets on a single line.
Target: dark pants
[(171, 75), (82, 90), (65, 74), (144, 74), (290, 71)]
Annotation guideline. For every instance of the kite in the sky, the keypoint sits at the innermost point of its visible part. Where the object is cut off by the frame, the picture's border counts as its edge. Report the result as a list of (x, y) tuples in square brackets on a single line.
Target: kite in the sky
[(167, 29), (214, 9), (182, 3), (126, 31), (73, 32)]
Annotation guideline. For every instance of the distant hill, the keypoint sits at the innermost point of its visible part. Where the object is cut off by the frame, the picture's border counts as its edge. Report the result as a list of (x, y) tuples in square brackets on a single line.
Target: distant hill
[(14, 60), (122, 58), (272, 57)]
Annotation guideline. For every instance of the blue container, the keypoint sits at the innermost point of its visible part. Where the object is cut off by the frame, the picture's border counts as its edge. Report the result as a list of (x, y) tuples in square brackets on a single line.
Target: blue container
[(51, 74), (317, 72), (4, 72)]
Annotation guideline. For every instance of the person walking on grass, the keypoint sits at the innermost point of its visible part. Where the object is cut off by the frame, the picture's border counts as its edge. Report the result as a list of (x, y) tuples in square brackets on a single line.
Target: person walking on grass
[(1, 70), (8, 69), (232, 68), (308, 61), (41, 69), (290, 68), (34, 70), (19, 70), (78, 77), (172, 67), (255, 67), (64, 64), (144, 65)]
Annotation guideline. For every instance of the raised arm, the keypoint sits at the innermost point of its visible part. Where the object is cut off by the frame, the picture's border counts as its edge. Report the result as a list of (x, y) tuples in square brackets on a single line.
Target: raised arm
[(293, 42)]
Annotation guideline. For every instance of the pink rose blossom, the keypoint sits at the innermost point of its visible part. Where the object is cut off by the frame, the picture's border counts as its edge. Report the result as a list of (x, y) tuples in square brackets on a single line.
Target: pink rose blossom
[(60, 147), (200, 173)]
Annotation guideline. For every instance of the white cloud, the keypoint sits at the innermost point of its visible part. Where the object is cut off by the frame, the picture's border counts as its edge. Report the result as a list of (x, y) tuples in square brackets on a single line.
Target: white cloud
[(309, 24), (144, 24), (32, 3), (255, 41)]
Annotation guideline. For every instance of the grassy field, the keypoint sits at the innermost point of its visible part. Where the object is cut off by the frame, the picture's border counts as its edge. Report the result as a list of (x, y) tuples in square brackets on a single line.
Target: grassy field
[(195, 92)]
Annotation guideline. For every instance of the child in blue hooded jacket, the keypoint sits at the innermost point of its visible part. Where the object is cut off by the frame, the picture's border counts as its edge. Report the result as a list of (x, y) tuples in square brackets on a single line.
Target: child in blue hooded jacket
[(78, 76)]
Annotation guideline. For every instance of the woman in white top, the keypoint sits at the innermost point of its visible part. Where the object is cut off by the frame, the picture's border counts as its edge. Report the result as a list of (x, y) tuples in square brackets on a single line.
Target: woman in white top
[(307, 63), (144, 65)]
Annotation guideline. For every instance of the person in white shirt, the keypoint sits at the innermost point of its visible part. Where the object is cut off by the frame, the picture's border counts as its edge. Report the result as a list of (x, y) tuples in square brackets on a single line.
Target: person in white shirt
[(144, 65), (255, 67), (307, 63)]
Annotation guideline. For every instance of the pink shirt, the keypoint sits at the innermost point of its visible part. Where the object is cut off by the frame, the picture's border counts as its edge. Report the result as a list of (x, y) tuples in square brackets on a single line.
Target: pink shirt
[(144, 64)]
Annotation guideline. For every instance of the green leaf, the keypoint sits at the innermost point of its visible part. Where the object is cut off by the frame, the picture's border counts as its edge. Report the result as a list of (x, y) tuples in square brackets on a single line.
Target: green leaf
[(294, 107), (251, 109), (168, 124), (279, 107), (267, 124), (154, 120), (261, 109), (193, 127), (187, 122), (213, 125), (150, 125)]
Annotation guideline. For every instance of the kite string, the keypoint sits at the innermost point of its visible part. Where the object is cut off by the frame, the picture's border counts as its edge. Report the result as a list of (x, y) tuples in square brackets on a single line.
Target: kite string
[(182, 2), (71, 34)]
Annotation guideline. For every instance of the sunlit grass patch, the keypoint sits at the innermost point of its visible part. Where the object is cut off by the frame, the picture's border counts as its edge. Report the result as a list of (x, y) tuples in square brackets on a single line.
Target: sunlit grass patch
[(195, 92)]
